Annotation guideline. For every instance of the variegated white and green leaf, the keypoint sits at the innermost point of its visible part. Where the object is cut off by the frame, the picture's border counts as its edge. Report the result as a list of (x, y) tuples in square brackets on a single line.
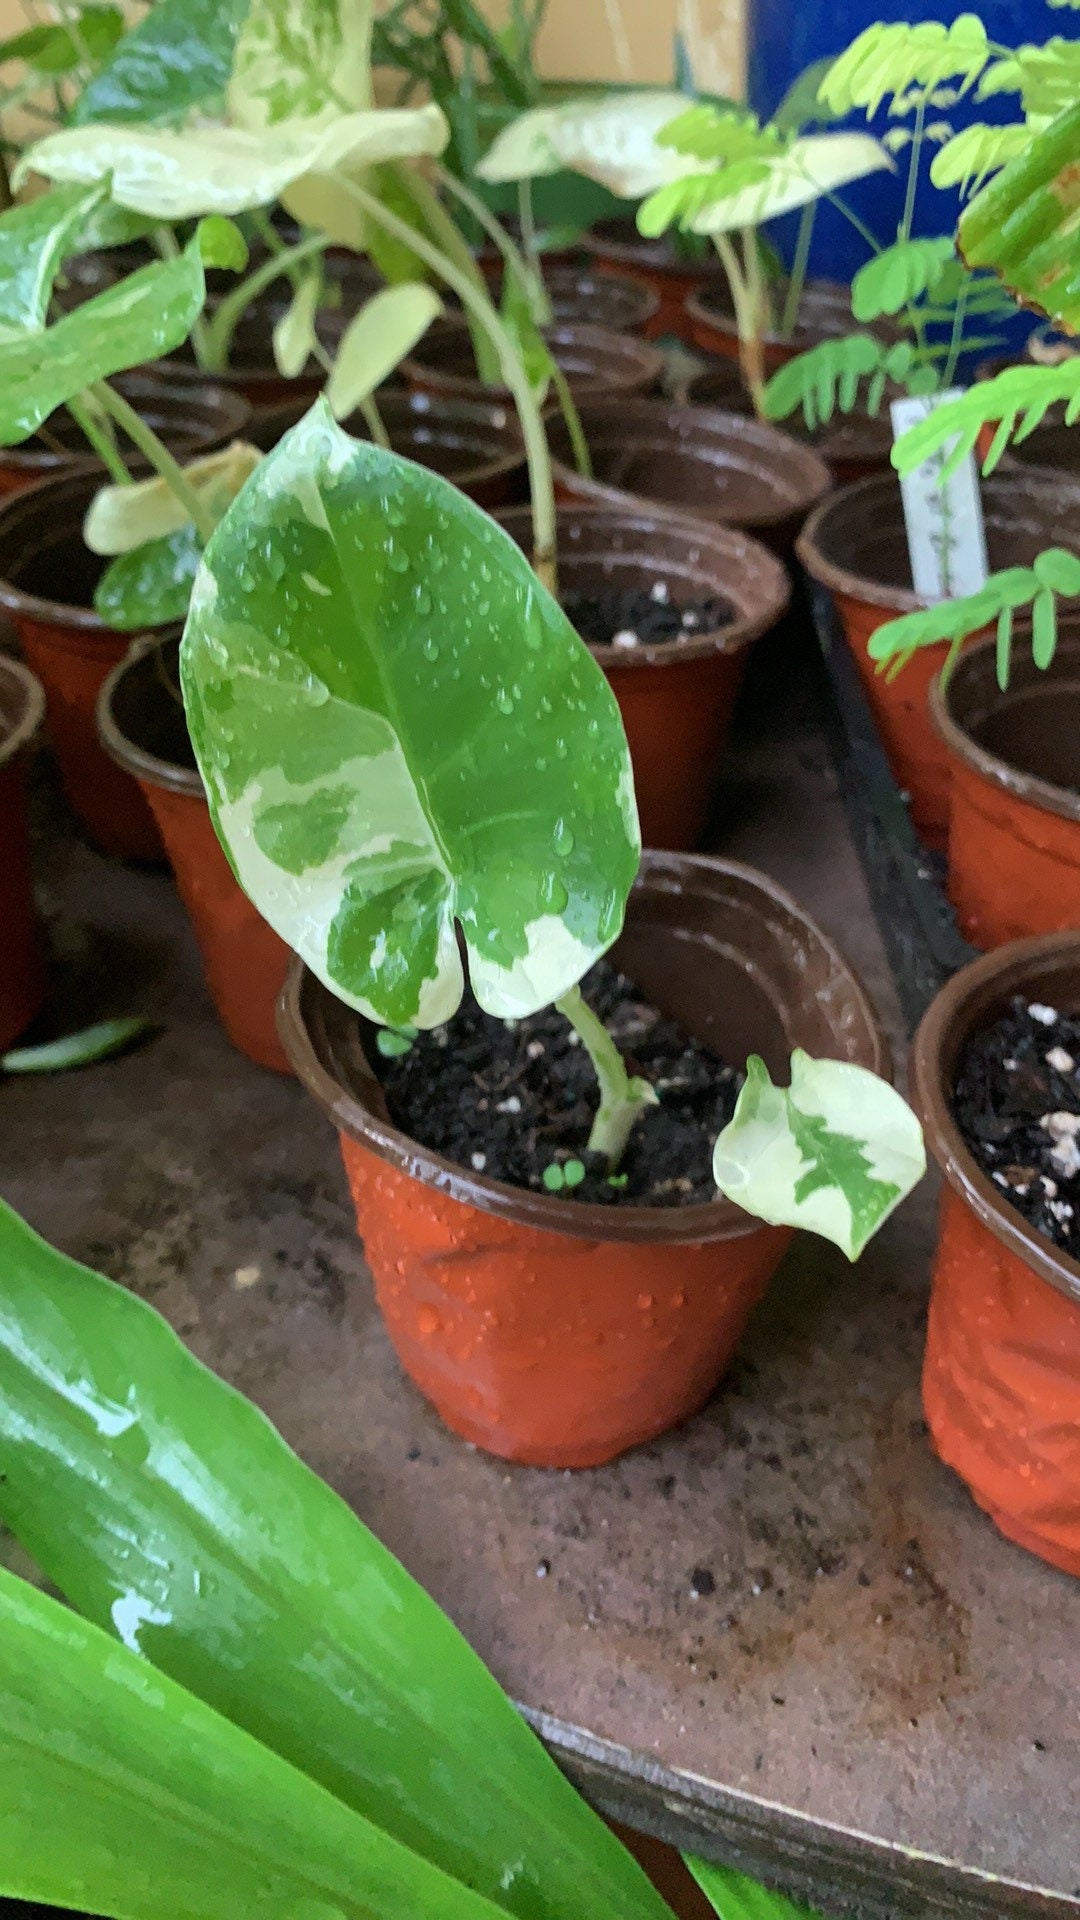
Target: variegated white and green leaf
[(815, 164), (301, 59), (150, 586), (382, 763), (377, 340), (611, 139), (835, 1152), (294, 334), (179, 175), (173, 63), (524, 149), (34, 239), (120, 518)]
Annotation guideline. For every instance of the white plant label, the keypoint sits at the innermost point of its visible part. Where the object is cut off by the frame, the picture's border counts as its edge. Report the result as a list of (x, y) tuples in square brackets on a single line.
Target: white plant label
[(945, 531)]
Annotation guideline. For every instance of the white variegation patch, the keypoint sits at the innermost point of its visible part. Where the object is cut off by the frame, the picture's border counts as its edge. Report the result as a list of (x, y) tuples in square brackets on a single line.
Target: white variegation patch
[(819, 163), (553, 963), (611, 138), (300, 57)]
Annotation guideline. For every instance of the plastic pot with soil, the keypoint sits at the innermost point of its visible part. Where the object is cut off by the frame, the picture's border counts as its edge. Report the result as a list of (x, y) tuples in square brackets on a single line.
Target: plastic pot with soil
[(22, 979), (189, 424), (1014, 791), (617, 247), (720, 468), (595, 362), (47, 582), (144, 731), (475, 444), (853, 446), (554, 1328), (584, 297), (670, 611), (996, 1080), (855, 545)]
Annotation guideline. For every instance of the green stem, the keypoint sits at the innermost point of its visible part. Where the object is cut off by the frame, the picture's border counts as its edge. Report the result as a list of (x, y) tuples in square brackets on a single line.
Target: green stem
[(101, 440), (903, 231), (514, 260), (158, 455), (444, 234), (568, 407), (751, 357), (169, 249), (623, 1098), (853, 220), (528, 225), (799, 265), (513, 373), (373, 420), (224, 323), (956, 337)]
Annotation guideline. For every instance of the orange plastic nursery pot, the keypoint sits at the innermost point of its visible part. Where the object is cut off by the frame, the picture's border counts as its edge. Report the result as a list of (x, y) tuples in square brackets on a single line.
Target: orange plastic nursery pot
[(190, 424), (559, 1333), (677, 698), (618, 248), (143, 729), (22, 979), (47, 581), (1014, 791), (855, 544), (1001, 1378)]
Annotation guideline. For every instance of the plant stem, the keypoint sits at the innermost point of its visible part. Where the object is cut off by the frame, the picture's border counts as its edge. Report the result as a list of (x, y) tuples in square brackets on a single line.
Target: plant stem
[(528, 224), (169, 248), (798, 270), (220, 331), (568, 407), (157, 453), (446, 237), (102, 442), (903, 231), (479, 305), (751, 357), (373, 420), (514, 260), (956, 337), (622, 1097)]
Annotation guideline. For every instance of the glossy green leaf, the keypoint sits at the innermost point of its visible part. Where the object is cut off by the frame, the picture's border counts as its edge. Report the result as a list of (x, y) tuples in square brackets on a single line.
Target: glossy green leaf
[(399, 730), (760, 188), (1023, 224), (735, 1897), (58, 47), (83, 1049), (147, 315), (166, 1508), (377, 340), (301, 59), (611, 139), (176, 61), (835, 1152), (122, 1793), (120, 518), (902, 273), (294, 333), (181, 175), (151, 585), (904, 61), (34, 238), (222, 244)]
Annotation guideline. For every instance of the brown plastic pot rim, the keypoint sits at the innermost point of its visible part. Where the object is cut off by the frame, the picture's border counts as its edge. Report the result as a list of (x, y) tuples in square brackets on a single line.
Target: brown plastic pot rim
[(1014, 968), (304, 999), (127, 753), (636, 249), (813, 478), (25, 729), (700, 307), (639, 358), (717, 548), (1019, 786), (53, 462), (72, 492)]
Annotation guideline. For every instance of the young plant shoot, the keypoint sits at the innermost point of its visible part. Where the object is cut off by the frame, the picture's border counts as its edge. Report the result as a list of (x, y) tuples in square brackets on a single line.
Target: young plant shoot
[(402, 739)]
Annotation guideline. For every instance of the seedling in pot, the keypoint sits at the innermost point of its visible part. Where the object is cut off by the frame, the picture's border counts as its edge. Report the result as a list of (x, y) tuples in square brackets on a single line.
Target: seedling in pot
[(405, 743)]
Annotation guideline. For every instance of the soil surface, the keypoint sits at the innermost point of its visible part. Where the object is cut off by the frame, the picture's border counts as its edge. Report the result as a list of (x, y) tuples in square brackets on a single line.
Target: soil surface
[(513, 1099), (1017, 1103), (643, 618)]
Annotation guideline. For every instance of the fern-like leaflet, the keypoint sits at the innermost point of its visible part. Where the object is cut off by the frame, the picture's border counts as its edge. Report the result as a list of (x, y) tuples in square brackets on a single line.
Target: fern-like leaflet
[(898, 275), (972, 155), (1046, 77), (842, 376), (906, 63), (1014, 403), (1055, 575)]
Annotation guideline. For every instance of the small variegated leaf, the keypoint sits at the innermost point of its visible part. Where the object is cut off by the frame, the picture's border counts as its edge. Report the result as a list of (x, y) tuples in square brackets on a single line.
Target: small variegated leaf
[(294, 333), (399, 730), (835, 1152), (151, 585), (301, 59), (377, 340), (173, 63), (121, 518), (612, 139), (899, 275), (34, 239)]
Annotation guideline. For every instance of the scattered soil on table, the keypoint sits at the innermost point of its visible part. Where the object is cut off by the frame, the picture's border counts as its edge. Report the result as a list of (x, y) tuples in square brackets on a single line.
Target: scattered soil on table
[(1017, 1103), (638, 617), (513, 1098)]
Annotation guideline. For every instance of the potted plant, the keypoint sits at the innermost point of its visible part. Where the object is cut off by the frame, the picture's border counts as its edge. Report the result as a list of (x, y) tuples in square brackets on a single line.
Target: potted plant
[(500, 801), (171, 1718)]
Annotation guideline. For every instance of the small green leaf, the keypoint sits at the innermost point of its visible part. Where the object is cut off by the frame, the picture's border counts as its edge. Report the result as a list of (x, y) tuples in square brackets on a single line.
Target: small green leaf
[(174, 62), (618, 1180), (151, 585), (1043, 628), (906, 63), (121, 518), (60, 47), (294, 334), (76, 1049), (554, 1178), (34, 239), (899, 275), (976, 152), (1003, 650), (835, 1152), (222, 244), (377, 340), (1059, 571), (735, 1897), (573, 1173), (825, 378), (392, 1044)]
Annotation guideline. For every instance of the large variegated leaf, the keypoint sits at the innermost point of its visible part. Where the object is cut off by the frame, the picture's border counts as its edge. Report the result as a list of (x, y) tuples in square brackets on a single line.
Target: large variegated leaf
[(120, 518), (301, 59), (524, 150), (377, 340), (147, 315), (175, 62), (34, 239), (168, 1510), (611, 139), (122, 1793), (180, 175), (399, 730), (835, 1152), (1023, 225), (746, 193)]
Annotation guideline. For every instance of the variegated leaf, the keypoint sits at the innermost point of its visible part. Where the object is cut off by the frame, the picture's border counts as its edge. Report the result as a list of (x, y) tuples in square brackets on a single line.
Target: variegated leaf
[(173, 63), (399, 730), (301, 59), (612, 139), (383, 332), (815, 164), (34, 238), (120, 518), (294, 334), (835, 1152)]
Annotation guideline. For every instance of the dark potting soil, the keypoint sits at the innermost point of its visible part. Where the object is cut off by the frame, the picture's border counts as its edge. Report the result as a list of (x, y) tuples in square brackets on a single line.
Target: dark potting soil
[(1017, 1103), (640, 617), (513, 1098)]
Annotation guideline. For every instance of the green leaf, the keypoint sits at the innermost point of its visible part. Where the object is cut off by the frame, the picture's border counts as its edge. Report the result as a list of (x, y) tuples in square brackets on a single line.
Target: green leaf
[(147, 315), (894, 60), (1015, 402), (60, 47), (899, 275), (123, 517), (75, 1049), (975, 152), (151, 585), (222, 244), (1043, 628), (802, 105), (377, 340), (735, 1897), (1055, 572), (836, 1152), (167, 1509), (1059, 570), (294, 334), (523, 150), (301, 59), (175, 62), (34, 239), (1046, 77), (708, 132), (827, 378), (181, 175), (1023, 224), (394, 260), (610, 138), (399, 729), (754, 190), (121, 1792)]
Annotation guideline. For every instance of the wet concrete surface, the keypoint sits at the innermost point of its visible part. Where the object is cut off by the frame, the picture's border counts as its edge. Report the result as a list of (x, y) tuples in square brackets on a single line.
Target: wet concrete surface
[(784, 1634)]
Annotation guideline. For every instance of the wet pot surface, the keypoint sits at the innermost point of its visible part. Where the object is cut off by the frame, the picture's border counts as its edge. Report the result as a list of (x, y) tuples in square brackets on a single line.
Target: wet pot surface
[(824, 314), (559, 1333)]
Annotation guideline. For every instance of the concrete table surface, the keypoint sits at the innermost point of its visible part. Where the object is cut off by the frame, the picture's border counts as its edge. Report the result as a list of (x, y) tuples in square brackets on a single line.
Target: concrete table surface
[(874, 1704)]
